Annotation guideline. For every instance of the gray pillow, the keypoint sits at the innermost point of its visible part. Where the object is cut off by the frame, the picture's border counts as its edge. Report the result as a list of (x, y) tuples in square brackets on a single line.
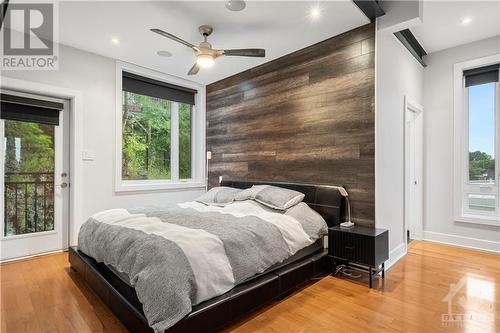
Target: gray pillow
[(278, 198), (313, 224), (218, 196), (249, 193)]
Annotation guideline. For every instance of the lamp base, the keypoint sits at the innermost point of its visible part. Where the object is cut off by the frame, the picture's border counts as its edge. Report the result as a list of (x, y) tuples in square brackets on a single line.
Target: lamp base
[(347, 224)]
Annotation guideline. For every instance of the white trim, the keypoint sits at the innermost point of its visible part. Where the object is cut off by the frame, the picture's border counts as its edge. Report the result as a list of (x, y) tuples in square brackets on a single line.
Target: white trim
[(28, 235), (153, 185), (29, 243), (197, 135), (460, 141), (174, 142), (417, 109), (473, 243), (76, 143), (474, 219), (413, 106), (2, 178), (397, 253), (32, 256)]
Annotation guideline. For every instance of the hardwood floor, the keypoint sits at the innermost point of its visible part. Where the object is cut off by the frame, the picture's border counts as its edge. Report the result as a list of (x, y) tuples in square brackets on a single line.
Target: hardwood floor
[(43, 295)]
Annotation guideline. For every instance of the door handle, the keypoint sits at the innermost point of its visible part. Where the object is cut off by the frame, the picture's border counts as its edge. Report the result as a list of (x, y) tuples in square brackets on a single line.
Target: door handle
[(64, 185)]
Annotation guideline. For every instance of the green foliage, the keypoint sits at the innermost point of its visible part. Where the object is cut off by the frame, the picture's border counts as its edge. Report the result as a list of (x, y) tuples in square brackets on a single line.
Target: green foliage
[(146, 144), (36, 149), (184, 141), (29, 177), (146, 137), (481, 166)]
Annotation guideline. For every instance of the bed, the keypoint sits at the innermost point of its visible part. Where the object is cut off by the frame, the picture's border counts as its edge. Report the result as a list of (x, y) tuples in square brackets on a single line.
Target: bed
[(211, 314)]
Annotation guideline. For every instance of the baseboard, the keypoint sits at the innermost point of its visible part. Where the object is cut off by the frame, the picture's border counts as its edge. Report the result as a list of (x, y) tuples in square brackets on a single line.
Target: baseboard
[(33, 256), (473, 243), (395, 254)]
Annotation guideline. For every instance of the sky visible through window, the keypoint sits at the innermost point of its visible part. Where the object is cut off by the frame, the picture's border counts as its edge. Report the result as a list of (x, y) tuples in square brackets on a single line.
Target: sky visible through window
[(482, 118)]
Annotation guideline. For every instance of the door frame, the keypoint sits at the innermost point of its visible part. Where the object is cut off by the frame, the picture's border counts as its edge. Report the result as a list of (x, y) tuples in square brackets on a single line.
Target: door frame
[(42, 241), (417, 110), (75, 98)]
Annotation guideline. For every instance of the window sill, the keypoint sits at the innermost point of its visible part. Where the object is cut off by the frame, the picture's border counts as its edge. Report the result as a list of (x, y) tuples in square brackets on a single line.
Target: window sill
[(475, 219), (156, 186), (27, 235)]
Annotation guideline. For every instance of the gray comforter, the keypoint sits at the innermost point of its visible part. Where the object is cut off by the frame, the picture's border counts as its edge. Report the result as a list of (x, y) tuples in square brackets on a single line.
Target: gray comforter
[(181, 256)]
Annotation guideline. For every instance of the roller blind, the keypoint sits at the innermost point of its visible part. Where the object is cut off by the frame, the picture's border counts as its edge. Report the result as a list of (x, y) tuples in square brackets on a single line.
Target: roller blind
[(19, 108), (481, 75), (145, 86)]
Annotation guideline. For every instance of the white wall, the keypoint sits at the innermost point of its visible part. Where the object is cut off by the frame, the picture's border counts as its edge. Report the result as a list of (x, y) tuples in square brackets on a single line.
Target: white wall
[(438, 149), (400, 15), (94, 77), (398, 74)]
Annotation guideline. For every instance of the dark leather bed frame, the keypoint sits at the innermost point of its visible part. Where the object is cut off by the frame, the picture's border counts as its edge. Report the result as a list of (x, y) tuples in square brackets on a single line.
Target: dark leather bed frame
[(213, 314)]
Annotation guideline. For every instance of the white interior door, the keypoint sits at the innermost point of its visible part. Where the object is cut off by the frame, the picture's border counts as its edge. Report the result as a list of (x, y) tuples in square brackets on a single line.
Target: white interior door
[(34, 175), (413, 171)]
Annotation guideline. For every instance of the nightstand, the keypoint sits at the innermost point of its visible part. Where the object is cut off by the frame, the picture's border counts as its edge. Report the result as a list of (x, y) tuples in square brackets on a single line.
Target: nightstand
[(359, 247)]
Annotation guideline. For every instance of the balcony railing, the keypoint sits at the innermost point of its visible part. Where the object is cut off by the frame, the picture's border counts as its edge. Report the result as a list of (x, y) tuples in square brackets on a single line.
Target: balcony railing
[(28, 202)]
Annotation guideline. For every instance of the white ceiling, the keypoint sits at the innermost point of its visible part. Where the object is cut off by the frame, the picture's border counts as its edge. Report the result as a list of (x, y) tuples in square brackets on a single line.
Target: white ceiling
[(442, 26), (279, 27)]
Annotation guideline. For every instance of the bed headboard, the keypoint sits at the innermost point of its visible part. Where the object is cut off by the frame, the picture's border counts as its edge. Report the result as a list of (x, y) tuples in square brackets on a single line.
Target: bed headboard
[(324, 199)]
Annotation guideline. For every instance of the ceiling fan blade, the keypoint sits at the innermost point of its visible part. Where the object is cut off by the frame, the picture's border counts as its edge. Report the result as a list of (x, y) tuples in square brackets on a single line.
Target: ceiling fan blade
[(194, 70), (172, 37), (245, 52)]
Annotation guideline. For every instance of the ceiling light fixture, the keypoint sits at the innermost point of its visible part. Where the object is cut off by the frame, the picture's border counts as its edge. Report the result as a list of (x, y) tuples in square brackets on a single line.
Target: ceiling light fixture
[(115, 41), (205, 53), (315, 12), (235, 5), (205, 60), (164, 53), (466, 21)]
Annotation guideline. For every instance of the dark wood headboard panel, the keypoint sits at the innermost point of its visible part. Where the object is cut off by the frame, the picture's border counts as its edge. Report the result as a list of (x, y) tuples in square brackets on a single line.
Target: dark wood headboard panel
[(324, 199), (307, 117)]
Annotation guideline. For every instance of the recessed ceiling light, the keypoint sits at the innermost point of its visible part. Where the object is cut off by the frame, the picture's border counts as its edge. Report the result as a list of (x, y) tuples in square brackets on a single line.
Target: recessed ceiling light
[(115, 41), (315, 12), (466, 20), (235, 5), (164, 53)]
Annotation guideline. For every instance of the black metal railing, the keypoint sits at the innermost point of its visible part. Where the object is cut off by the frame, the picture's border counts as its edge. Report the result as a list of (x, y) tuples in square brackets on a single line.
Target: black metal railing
[(28, 202)]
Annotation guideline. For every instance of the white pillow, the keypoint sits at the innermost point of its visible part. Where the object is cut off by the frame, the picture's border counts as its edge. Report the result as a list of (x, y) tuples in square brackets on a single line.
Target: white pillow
[(272, 196), (249, 193), (218, 196)]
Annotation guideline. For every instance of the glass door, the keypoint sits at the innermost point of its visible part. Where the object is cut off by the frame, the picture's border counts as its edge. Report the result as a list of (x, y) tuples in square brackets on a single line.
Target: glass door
[(35, 187)]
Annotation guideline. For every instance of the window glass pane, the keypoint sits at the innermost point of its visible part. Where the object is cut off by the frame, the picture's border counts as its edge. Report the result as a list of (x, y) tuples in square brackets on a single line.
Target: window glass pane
[(29, 177), (482, 202), (184, 141), (482, 133), (145, 137)]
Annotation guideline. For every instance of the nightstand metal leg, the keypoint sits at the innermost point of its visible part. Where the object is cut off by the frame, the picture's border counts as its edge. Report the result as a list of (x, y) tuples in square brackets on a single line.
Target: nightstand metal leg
[(370, 277), (383, 270)]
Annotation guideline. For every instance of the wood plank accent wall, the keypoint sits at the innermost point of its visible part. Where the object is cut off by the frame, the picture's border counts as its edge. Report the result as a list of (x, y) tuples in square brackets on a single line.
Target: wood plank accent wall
[(305, 117)]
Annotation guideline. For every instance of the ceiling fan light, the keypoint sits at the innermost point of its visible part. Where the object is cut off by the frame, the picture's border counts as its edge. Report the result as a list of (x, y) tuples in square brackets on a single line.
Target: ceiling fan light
[(205, 60)]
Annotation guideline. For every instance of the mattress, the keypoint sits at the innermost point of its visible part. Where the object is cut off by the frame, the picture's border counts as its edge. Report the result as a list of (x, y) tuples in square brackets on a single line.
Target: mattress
[(190, 253), (301, 254)]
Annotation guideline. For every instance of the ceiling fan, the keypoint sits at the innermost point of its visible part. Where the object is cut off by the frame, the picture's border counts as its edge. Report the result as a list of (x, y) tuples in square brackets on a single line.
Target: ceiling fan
[(205, 54)]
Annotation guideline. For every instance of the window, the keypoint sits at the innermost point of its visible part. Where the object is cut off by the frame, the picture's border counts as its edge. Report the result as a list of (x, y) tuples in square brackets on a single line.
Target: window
[(146, 137), (156, 140), (479, 197)]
